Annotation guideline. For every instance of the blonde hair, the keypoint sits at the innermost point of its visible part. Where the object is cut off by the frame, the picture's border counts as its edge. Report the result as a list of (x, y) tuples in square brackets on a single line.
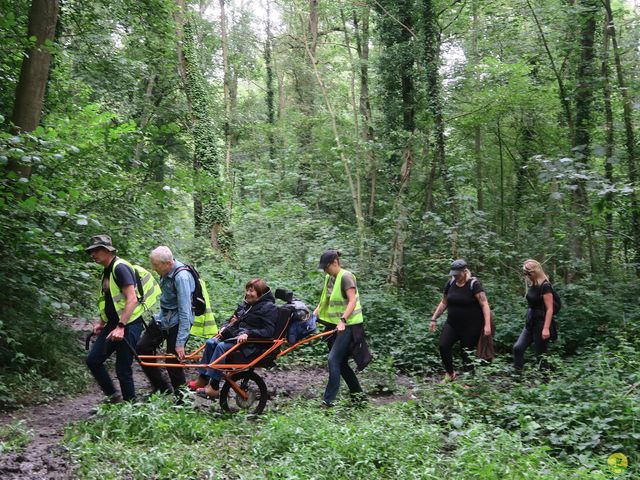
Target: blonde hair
[(533, 266), (467, 274)]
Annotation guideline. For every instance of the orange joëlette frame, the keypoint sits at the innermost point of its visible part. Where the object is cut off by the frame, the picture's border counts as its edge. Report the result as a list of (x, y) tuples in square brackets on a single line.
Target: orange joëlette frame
[(230, 367)]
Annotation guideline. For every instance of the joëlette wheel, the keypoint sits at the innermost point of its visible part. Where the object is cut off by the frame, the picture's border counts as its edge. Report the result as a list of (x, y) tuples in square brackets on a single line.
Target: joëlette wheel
[(251, 383)]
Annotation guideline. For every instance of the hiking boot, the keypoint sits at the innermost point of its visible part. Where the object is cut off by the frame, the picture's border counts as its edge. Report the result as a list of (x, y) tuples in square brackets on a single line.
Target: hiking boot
[(325, 404), (115, 398)]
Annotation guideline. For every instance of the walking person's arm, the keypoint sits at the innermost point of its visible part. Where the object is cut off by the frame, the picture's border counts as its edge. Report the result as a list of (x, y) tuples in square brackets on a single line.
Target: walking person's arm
[(184, 286), (486, 311), (351, 297), (129, 293), (548, 315), (442, 306)]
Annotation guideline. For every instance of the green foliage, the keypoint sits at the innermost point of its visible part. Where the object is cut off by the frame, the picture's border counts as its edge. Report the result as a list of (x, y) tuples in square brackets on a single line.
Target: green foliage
[(14, 436), (46, 220), (583, 413), (413, 440)]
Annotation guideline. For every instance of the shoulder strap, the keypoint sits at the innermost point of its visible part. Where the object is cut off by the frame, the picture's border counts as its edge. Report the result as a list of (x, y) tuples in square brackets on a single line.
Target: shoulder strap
[(472, 282), (180, 269)]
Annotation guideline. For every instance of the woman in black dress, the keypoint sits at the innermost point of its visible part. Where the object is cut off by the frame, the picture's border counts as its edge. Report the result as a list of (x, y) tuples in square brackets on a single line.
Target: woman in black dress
[(469, 316)]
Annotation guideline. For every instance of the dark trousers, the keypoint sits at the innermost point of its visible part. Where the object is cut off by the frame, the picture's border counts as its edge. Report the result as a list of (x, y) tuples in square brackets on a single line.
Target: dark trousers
[(339, 366), (102, 350), (468, 337), (152, 338), (530, 334)]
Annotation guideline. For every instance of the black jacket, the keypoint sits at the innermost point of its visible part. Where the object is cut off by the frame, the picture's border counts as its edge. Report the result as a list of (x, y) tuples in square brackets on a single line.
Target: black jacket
[(257, 320), (358, 347)]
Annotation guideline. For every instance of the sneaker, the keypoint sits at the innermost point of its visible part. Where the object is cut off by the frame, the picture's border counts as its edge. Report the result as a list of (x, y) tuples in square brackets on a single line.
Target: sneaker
[(200, 382), (325, 404)]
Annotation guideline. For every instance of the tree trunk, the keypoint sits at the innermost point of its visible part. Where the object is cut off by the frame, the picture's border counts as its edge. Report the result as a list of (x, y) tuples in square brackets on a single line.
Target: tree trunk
[(630, 142), (147, 113), (354, 107), (564, 96), (34, 74), (396, 263), (227, 86), (436, 107), (609, 145), (210, 196), (186, 87), (406, 78), (269, 85), (397, 71), (313, 26), (525, 148), (353, 189), (582, 141), (182, 62), (477, 132), (362, 44), (501, 156), (306, 96)]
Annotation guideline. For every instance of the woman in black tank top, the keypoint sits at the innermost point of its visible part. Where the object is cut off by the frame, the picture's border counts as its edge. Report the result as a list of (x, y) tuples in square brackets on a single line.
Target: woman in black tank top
[(469, 316), (539, 327)]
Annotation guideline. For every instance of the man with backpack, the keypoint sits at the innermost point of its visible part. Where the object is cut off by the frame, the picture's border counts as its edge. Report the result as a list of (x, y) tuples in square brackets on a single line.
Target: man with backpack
[(126, 292), (173, 323)]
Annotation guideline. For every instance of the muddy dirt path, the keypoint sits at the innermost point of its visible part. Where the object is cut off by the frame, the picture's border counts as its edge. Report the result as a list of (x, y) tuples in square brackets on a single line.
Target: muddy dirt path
[(44, 458)]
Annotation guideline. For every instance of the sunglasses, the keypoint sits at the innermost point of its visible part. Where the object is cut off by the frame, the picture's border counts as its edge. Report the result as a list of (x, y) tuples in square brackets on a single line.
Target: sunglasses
[(526, 273)]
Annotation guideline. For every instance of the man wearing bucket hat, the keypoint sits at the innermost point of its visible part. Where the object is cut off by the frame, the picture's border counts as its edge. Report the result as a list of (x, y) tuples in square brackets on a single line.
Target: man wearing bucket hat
[(120, 322)]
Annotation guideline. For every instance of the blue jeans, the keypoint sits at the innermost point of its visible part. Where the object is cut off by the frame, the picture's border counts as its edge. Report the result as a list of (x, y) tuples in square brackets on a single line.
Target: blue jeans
[(339, 366), (214, 349), (102, 350)]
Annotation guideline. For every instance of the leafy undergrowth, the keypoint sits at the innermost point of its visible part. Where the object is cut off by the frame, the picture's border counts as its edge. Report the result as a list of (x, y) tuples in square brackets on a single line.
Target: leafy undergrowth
[(486, 426), (14, 437)]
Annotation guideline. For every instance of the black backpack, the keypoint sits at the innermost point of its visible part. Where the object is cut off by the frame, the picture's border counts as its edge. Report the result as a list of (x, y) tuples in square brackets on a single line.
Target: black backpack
[(198, 305), (557, 302)]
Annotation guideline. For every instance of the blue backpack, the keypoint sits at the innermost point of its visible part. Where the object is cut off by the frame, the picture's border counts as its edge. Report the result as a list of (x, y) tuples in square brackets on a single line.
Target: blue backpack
[(303, 323)]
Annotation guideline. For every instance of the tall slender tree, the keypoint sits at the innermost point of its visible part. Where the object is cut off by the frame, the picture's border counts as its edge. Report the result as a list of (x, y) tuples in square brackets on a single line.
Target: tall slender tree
[(34, 74), (630, 141)]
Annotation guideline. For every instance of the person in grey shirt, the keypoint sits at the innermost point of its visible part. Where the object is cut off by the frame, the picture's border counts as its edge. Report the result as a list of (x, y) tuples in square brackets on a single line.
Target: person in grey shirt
[(173, 323)]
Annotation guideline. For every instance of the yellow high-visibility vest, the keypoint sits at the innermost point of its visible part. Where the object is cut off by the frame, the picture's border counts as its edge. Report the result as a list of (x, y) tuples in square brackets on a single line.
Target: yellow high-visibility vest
[(204, 325), (150, 292), (332, 307)]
